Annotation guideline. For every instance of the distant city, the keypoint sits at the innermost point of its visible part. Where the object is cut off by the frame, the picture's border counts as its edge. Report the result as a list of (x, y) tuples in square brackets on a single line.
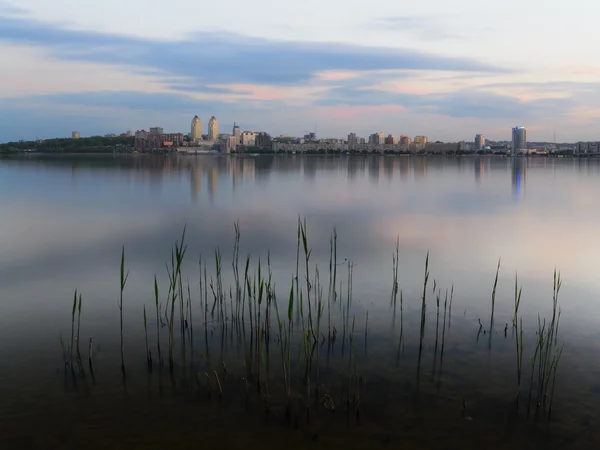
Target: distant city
[(156, 140)]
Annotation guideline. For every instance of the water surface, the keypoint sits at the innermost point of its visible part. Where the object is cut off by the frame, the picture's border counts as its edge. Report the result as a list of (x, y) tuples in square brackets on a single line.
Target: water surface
[(66, 218)]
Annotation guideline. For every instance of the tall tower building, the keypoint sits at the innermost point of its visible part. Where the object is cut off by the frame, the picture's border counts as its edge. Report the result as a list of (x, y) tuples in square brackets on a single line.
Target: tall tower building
[(519, 141), (213, 129), (75, 135), (479, 141), (196, 133), (236, 134)]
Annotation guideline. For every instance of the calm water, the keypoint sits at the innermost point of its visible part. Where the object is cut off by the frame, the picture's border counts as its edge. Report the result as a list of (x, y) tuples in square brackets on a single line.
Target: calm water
[(65, 220)]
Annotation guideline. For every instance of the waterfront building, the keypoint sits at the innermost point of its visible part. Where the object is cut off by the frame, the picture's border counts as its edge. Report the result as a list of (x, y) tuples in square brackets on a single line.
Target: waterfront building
[(196, 133), (75, 135), (236, 134), (249, 138), (420, 142), (519, 140), (391, 140), (213, 129), (479, 142)]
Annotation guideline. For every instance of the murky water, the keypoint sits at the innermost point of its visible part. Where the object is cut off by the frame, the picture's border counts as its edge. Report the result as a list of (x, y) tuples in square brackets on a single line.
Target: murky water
[(395, 379)]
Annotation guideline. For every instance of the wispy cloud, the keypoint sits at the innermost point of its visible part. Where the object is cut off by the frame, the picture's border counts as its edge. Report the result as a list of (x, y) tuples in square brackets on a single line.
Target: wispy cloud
[(223, 57)]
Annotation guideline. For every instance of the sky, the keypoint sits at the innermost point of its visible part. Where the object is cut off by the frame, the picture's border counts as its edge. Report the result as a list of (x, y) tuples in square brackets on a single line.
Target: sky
[(447, 70)]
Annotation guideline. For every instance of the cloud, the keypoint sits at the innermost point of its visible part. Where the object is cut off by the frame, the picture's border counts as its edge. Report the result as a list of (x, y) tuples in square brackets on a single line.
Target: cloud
[(214, 57), (467, 102)]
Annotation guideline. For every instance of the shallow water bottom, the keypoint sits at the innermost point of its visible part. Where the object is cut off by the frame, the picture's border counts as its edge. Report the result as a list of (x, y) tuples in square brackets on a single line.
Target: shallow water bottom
[(161, 412)]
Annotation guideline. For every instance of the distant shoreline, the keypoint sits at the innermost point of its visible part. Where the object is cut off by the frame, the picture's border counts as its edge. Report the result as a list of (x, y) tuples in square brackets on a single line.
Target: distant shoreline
[(345, 154)]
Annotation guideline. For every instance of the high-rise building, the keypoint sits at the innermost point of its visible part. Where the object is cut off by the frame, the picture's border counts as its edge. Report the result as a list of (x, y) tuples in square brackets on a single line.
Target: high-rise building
[(420, 142), (196, 133), (236, 134), (213, 129), (156, 130), (479, 141), (377, 138), (519, 141), (405, 141), (391, 140), (75, 135)]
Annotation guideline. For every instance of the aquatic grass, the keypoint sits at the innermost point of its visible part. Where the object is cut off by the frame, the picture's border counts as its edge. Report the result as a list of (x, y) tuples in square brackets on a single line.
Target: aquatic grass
[(257, 292), (518, 338), (307, 254), (78, 329), (423, 315), (494, 297), (443, 341), (157, 320), (124, 277), (395, 261), (73, 327), (437, 326), (174, 272)]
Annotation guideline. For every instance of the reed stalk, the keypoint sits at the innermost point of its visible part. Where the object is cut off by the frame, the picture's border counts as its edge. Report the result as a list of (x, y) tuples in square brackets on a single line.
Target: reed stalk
[(157, 320), (423, 314), (73, 327), (78, 328), (558, 356), (124, 277), (494, 297), (518, 338), (177, 255), (307, 254)]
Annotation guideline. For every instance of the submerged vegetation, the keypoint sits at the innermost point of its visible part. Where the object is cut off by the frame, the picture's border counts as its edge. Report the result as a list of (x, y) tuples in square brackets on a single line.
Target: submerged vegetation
[(297, 377)]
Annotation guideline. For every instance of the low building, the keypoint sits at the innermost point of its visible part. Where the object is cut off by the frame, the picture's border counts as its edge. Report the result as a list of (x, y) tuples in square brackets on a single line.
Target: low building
[(158, 141), (442, 148), (249, 138)]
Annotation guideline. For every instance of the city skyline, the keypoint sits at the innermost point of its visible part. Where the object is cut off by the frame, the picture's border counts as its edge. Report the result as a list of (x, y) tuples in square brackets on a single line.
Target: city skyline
[(285, 69)]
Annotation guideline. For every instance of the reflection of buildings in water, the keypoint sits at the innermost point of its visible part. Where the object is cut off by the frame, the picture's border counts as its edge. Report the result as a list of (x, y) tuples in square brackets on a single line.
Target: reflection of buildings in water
[(404, 162), (248, 169), (354, 166), (479, 168), (374, 168), (234, 171), (310, 167), (263, 168), (213, 182), (391, 168), (420, 168), (519, 176), (196, 182)]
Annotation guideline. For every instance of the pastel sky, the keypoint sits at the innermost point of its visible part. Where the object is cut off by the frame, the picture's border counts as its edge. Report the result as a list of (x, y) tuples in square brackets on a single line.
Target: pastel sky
[(447, 70)]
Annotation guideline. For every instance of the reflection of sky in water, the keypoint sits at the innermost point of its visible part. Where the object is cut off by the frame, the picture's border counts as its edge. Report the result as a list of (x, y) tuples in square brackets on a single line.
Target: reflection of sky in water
[(67, 217)]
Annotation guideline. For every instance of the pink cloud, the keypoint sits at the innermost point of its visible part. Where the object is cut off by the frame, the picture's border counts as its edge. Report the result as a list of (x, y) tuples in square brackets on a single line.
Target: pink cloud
[(336, 75)]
